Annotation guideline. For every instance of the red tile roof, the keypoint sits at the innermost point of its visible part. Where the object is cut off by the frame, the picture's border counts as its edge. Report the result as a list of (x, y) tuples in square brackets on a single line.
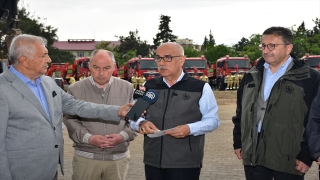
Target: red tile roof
[(81, 44)]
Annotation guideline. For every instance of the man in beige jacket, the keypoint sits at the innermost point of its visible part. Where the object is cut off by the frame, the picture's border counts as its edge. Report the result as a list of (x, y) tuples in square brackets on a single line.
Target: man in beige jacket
[(101, 148)]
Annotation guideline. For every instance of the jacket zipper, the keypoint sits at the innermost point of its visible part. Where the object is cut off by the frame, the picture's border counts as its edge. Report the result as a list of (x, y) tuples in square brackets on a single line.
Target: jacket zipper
[(165, 110), (104, 128)]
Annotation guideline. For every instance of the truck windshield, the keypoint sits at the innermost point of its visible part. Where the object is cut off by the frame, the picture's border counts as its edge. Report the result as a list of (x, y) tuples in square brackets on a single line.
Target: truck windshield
[(313, 62), (241, 63), (148, 65), (190, 64)]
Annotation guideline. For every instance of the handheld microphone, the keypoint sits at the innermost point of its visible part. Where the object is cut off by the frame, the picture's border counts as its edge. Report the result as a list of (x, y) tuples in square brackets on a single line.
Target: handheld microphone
[(148, 98), (138, 94)]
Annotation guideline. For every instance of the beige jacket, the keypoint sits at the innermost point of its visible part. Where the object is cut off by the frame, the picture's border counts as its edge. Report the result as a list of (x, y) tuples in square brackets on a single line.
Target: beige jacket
[(118, 92)]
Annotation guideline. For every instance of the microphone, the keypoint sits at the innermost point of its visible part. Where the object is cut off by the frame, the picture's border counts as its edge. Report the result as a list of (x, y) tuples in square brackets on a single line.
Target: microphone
[(148, 98), (138, 94)]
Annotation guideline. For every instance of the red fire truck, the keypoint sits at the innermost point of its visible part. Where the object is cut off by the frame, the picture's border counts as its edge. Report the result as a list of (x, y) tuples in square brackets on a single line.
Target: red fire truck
[(312, 61), (3, 64), (198, 66), (229, 65), (138, 66)]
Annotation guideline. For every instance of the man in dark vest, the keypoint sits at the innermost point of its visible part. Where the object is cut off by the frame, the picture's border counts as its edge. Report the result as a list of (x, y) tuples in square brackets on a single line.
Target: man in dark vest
[(188, 107)]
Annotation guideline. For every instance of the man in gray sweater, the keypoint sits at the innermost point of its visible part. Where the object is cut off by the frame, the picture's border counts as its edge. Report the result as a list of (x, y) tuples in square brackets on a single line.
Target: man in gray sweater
[(101, 148)]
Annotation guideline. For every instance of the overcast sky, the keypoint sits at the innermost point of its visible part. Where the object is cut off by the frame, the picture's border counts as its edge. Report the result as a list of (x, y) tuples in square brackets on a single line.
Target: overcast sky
[(229, 20)]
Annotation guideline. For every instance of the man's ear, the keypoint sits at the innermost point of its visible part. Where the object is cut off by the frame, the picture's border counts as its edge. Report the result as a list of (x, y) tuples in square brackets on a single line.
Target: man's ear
[(289, 48), (23, 61)]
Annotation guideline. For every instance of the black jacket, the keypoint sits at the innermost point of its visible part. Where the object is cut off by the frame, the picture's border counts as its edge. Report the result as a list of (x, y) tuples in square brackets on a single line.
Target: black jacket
[(282, 137)]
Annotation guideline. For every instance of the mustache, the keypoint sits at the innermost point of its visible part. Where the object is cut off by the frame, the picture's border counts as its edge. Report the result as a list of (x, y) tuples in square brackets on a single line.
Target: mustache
[(162, 68), (267, 54)]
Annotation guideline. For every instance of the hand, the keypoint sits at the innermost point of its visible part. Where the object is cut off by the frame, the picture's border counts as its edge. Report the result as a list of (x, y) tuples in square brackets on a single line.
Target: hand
[(179, 131), (97, 140), (147, 127), (123, 110), (112, 140), (301, 167), (318, 161), (238, 152)]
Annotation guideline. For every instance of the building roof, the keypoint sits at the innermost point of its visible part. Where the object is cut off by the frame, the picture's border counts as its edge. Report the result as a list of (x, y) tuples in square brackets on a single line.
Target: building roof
[(81, 44)]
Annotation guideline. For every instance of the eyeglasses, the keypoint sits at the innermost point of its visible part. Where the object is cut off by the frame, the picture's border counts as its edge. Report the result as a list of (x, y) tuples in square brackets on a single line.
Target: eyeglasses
[(269, 46), (166, 58)]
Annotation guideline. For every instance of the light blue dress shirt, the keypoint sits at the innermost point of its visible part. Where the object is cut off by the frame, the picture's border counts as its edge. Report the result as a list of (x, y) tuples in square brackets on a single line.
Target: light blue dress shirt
[(271, 79), (36, 88), (208, 108)]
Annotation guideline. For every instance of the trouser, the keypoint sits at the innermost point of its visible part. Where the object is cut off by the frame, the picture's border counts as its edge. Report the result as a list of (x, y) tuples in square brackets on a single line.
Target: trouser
[(263, 173), (153, 173), (90, 169)]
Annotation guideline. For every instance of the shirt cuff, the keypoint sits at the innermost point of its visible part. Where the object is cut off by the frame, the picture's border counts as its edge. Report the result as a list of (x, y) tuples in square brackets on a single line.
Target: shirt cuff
[(86, 138), (124, 135)]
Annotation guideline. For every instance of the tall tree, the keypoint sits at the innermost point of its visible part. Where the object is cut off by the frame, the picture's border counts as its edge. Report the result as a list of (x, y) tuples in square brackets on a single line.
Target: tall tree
[(204, 44), (132, 43), (165, 33), (30, 24), (241, 44), (212, 41)]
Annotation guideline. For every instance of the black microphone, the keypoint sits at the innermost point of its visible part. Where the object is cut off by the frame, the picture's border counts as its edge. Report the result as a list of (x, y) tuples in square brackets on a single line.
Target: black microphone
[(148, 98)]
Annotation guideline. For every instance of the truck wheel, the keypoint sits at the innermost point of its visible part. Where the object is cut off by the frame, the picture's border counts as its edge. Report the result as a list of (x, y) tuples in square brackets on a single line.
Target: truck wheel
[(221, 85)]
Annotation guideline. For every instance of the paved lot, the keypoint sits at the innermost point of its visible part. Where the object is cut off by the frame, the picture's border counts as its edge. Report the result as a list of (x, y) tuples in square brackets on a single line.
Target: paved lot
[(219, 163)]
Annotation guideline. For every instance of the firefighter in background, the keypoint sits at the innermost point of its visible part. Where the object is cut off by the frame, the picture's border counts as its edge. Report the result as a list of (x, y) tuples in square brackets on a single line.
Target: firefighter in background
[(204, 78), (134, 81), (72, 80), (141, 80), (83, 76), (236, 81), (229, 81)]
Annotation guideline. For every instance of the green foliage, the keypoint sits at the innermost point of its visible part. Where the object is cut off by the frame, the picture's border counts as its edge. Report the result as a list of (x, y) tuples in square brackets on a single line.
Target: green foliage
[(130, 44), (205, 43), (30, 24), (213, 53), (190, 51), (307, 41), (58, 56), (165, 33), (252, 50)]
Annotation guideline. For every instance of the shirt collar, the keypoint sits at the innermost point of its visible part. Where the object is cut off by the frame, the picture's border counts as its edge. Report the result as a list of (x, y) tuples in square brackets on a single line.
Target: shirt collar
[(23, 77), (179, 79), (94, 83)]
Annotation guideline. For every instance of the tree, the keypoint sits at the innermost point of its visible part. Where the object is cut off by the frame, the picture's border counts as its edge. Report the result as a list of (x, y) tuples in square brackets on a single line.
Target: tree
[(212, 41), (134, 44), (204, 44), (165, 33), (59, 56), (30, 24), (190, 51), (213, 53), (241, 44)]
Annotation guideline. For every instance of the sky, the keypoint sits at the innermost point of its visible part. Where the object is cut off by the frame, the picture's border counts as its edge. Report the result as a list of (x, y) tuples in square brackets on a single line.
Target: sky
[(229, 20)]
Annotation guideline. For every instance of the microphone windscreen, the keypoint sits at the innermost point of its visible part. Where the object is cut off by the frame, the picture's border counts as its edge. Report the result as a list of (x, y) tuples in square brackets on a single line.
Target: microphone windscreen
[(151, 96)]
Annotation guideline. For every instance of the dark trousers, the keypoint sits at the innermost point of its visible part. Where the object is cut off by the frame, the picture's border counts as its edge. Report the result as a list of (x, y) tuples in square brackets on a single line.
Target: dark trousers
[(263, 173), (153, 173)]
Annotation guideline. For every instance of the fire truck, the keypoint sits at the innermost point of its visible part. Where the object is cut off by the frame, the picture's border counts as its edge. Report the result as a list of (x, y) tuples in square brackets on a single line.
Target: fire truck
[(3, 64), (198, 66), (228, 66), (312, 61), (139, 66)]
